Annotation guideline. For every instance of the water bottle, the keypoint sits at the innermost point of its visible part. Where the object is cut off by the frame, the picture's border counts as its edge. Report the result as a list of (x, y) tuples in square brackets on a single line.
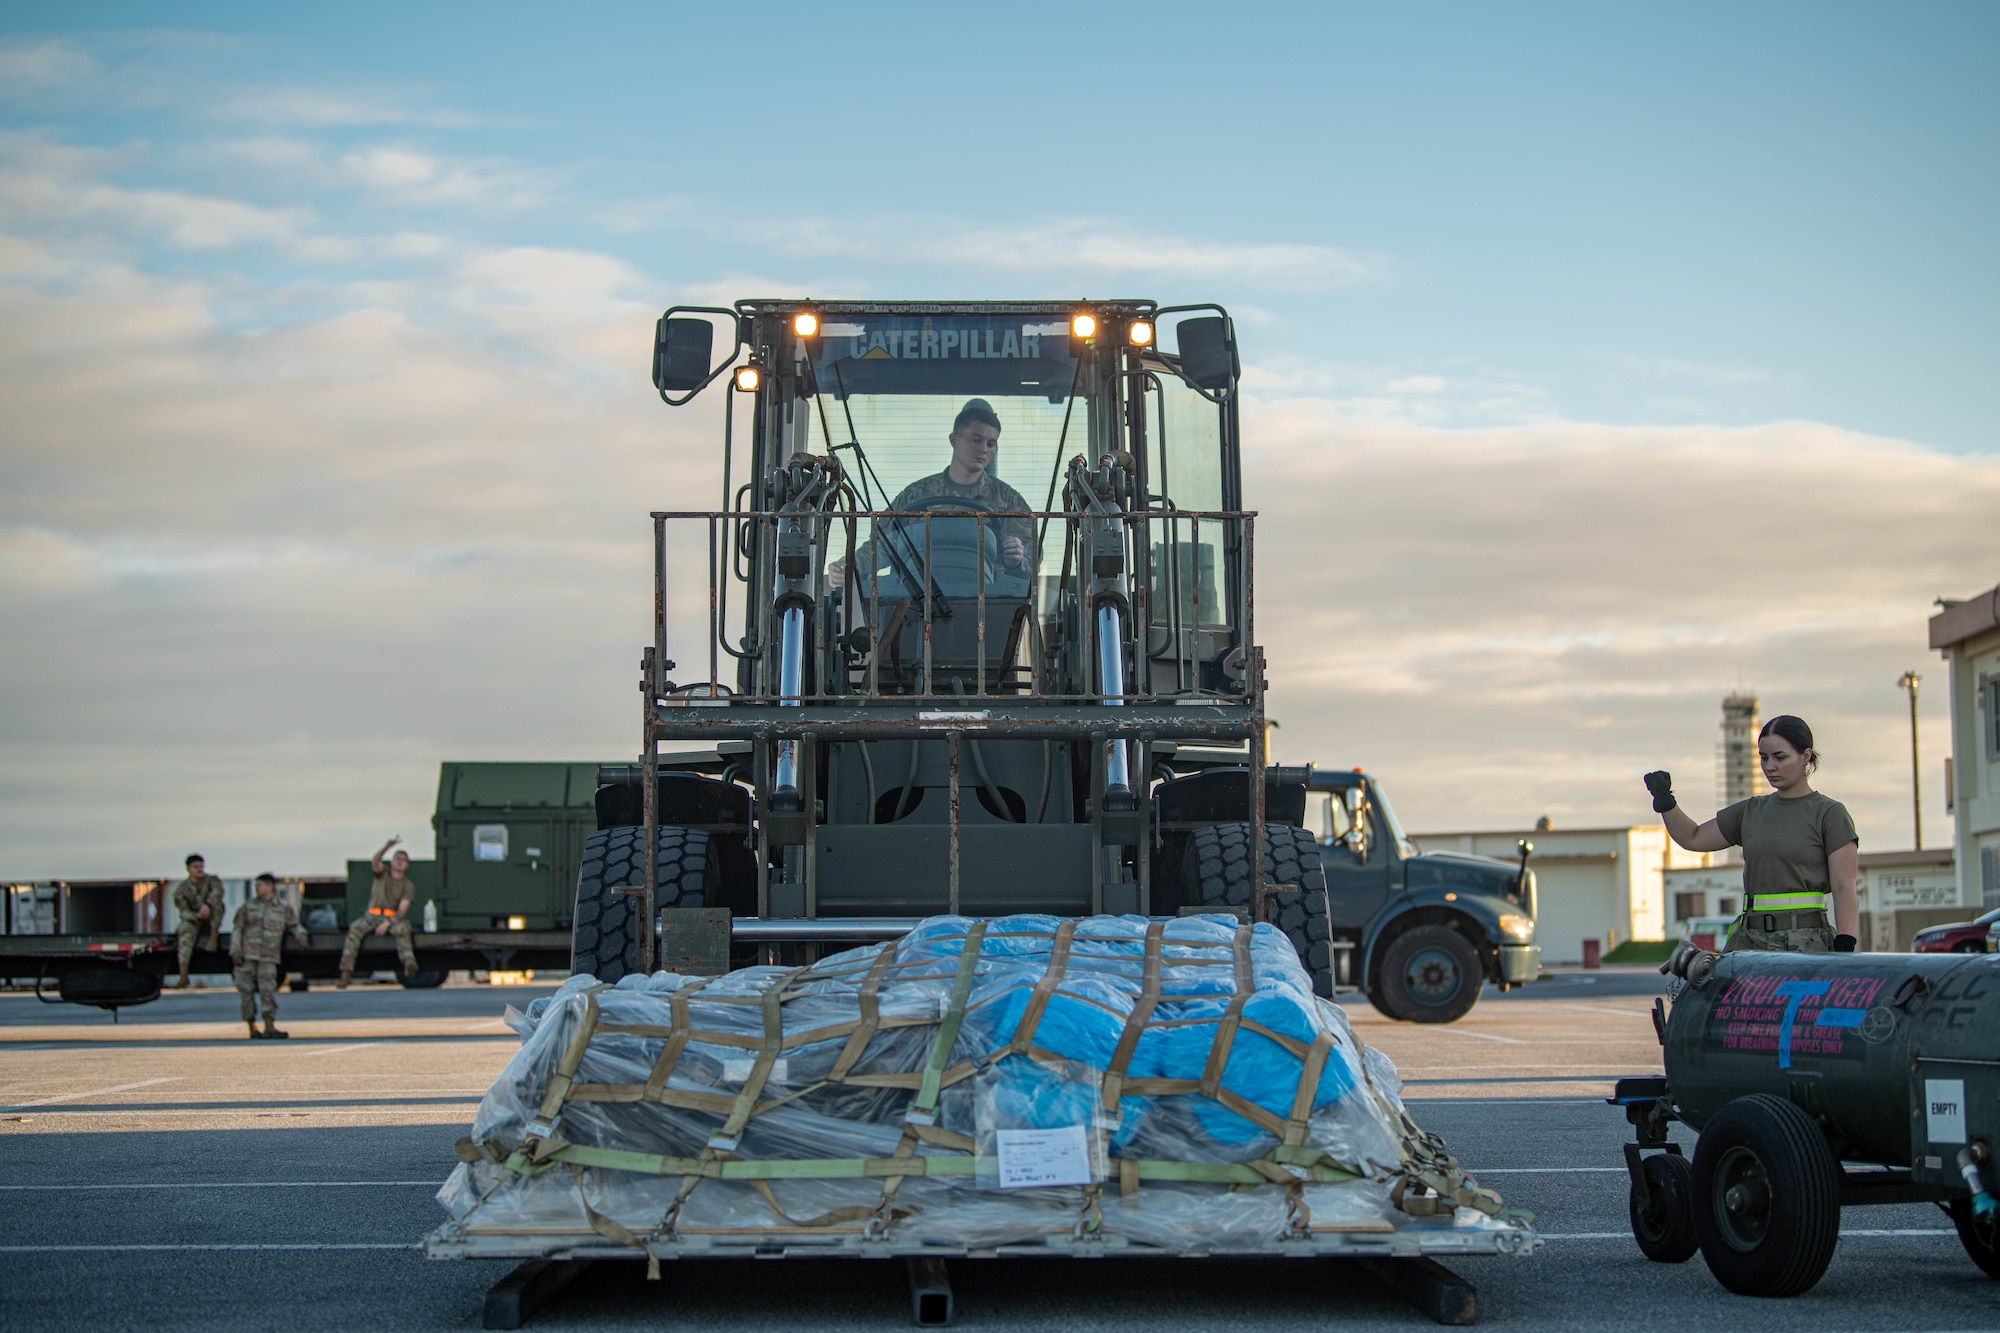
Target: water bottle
[(430, 916)]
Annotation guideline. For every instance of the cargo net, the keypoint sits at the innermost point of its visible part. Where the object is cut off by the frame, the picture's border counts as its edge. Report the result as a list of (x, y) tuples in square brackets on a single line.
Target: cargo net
[(1026, 1080)]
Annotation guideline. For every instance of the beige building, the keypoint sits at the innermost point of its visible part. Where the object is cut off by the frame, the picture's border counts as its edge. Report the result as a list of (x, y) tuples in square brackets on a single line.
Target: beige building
[(1603, 884), (1900, 893), (1967, 635)]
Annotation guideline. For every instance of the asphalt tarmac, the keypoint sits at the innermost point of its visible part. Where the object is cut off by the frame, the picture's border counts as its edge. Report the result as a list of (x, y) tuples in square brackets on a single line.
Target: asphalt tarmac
[(166, 1172)]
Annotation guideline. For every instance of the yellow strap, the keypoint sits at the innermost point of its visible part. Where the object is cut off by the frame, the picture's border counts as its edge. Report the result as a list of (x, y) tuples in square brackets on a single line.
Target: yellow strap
[(1135, 1023), (1038, 1001), (871, 1014), (1225, 1031)]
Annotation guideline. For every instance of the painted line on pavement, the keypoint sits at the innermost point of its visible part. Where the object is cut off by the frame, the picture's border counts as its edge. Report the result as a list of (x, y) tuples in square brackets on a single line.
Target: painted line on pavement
[(1483, 1036), (169, 1249), (1499, 1101), (1543, 1170), (95, 1092), (1871, 1233), (1601, 1009), (335, 1050), (235, 1185)]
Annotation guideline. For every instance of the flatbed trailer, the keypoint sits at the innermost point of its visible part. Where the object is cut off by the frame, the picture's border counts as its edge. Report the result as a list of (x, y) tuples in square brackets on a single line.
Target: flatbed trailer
[(113, 971)]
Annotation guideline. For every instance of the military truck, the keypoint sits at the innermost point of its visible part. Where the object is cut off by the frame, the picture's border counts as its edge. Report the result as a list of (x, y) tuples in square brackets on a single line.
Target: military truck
[(906, 692), (1423, 929)]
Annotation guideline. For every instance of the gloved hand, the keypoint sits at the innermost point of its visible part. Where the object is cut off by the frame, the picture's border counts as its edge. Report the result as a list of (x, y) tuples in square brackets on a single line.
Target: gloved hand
[(1844, 943), (1661, 784)]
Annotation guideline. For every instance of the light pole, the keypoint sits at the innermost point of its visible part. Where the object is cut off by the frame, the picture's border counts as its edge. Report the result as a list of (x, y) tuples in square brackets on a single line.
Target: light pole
[(1908, 680)]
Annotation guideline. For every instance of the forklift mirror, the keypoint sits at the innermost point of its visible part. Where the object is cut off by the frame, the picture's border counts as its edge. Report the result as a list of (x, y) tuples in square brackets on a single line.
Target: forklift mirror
[(682, 349), (1208, 352)]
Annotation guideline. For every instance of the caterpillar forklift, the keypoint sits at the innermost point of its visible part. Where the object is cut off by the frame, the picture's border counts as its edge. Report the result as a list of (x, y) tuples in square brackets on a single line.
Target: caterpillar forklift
[(972, 632)]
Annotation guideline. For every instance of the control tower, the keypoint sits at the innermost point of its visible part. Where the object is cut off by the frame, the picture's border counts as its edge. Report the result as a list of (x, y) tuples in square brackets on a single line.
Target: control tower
[(1742, 778)]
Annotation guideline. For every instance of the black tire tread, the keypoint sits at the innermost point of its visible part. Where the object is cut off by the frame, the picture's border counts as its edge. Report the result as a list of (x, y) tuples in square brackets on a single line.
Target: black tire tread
[(1805, 1211), (1982, 1244), (1389, 995), (1217, 874), (604, 936), (1671, 1239)]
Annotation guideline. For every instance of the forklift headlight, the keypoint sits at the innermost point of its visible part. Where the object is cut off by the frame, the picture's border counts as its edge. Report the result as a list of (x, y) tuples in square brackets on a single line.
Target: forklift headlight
[(1083, 324), (1516, 927), (748, 378), (805, 324), (1141, 333)]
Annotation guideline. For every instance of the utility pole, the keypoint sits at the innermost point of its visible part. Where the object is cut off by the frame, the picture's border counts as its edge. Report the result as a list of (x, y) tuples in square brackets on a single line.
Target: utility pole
[(1908, 681)]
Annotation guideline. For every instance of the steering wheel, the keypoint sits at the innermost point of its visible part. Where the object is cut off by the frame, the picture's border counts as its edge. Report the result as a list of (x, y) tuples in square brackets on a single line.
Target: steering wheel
[(960, 560)]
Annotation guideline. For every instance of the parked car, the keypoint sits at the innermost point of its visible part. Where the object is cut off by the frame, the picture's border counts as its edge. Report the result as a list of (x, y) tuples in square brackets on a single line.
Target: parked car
[(1957, 936)]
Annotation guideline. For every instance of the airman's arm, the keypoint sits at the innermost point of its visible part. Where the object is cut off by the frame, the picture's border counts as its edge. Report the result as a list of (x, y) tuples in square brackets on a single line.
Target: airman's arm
[(1844, 868)]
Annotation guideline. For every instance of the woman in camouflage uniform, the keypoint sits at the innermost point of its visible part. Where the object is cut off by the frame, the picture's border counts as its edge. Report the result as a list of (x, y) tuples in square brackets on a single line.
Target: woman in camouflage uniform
[(1799, 849)]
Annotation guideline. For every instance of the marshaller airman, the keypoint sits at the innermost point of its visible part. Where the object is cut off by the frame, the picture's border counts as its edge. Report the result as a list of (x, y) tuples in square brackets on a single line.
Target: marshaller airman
[(198, 902), (256, 945), (389, 901)]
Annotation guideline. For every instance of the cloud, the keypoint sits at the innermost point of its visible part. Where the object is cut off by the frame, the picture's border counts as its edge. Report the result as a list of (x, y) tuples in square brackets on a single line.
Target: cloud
[(1074, 245), (29, 68), (321, 108), (1517, 621)]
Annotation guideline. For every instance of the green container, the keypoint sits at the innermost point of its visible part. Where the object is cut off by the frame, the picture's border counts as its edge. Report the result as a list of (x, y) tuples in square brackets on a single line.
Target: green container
[(509, 840)]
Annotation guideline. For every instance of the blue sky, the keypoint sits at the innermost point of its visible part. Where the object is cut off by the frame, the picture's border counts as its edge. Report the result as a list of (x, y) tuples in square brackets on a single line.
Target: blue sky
[(1599, 358), (1704, 214)]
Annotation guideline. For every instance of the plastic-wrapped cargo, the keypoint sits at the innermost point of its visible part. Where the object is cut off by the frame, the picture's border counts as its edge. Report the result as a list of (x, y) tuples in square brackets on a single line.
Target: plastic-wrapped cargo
[(1020, 1081)]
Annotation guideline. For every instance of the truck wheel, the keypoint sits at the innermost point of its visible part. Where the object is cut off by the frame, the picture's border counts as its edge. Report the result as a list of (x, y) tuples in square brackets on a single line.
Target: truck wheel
[(1429, 974), (430, 980), (604, 941), (1663, 1212), (1216, 873), (1766, 1197), (1980, 1238)]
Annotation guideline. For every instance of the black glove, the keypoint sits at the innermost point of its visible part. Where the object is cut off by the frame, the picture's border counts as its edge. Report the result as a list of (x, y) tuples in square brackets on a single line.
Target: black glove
[(1661, 784), (1844, 943)]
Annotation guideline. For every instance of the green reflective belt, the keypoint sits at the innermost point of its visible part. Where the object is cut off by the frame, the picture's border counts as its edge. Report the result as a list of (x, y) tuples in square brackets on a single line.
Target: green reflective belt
[(1786, 902)]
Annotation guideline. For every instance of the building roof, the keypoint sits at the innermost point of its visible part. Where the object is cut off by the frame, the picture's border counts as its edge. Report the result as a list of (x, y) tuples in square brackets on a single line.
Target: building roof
[(1959, 621), (1929, 856)]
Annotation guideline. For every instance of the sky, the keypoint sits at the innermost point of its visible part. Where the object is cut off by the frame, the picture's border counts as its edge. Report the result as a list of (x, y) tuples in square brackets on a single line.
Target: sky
[(1599, 360)]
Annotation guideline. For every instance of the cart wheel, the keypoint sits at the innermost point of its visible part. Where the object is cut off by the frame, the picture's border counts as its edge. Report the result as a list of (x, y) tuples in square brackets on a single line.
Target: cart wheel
[(1663, 1213), (1980, 1236), (1766, 1197)]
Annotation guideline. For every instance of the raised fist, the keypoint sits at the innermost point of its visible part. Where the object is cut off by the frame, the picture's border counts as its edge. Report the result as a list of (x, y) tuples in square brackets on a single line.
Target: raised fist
[(1661, 784)]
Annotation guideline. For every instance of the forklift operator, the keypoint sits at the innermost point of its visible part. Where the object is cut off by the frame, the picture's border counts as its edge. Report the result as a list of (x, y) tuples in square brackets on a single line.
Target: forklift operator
[(975, 439)]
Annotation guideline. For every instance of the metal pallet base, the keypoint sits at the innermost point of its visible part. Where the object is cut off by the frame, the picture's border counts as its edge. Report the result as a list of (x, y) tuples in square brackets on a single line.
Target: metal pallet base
[(1404, 1261)]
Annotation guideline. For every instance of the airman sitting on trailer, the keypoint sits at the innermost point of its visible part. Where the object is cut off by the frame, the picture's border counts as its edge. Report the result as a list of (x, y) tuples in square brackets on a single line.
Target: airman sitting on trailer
[(389, 901), (198, 902)]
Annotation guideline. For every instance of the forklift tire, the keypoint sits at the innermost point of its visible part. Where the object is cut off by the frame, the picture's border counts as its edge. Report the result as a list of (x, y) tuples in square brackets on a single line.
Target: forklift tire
[(1766, 1197), (1663, 1223), (430, 980), (1429, 974), (604, 942), (1980, 1238), (1216, 873)]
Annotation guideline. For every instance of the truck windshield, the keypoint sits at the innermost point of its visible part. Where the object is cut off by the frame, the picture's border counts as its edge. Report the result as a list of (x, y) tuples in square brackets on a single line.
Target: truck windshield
[(893, 385), (1390, 824)]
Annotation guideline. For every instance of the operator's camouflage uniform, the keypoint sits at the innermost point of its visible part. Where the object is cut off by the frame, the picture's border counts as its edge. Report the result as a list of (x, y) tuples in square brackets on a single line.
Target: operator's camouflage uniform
[(989, 489), (189, 895), (384, 899), (256, 944), (1802, 931)]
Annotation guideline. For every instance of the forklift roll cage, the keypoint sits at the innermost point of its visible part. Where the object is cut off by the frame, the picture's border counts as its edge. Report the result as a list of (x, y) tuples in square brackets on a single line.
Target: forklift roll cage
[(1123, 642)]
